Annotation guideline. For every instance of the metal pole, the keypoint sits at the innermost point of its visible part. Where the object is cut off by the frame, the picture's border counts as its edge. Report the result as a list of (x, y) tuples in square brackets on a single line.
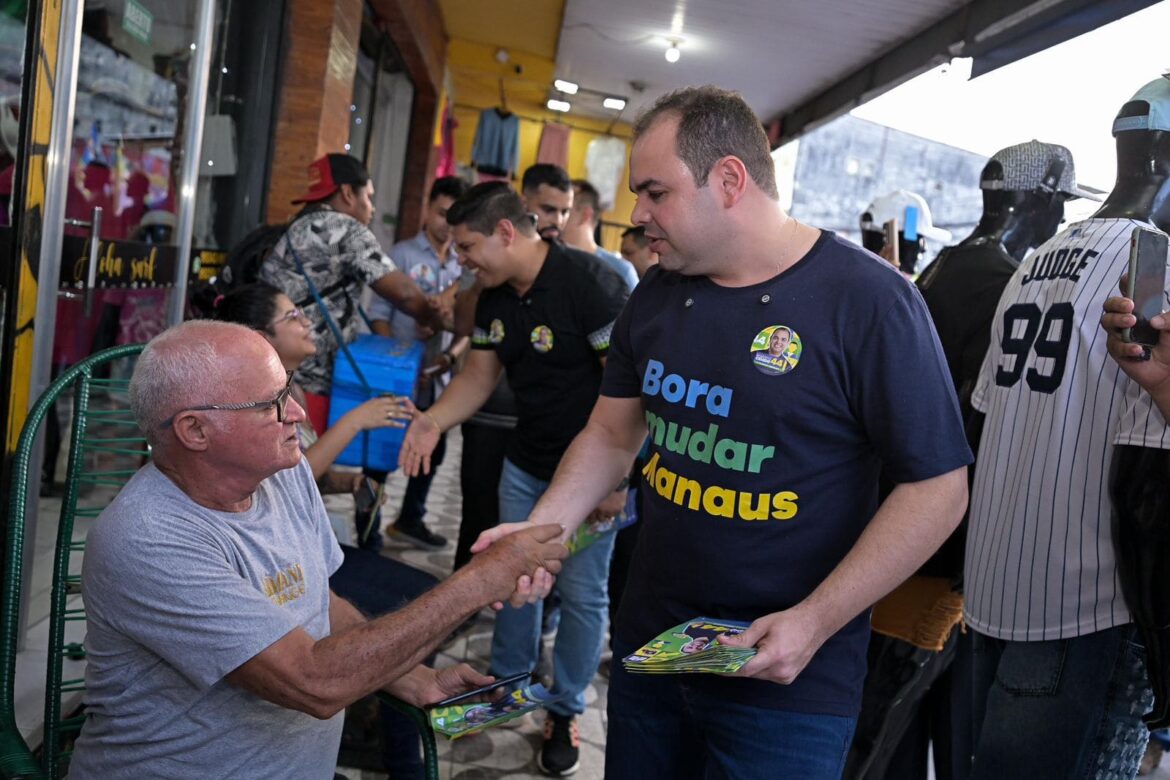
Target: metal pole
[(200, 68), (58, 158), (57, 163)]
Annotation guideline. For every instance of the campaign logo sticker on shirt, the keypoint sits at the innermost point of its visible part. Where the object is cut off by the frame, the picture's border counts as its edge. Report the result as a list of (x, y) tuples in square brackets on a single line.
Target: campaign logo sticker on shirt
[(776, 350), (542, 338), (425, 277), (496, 333)]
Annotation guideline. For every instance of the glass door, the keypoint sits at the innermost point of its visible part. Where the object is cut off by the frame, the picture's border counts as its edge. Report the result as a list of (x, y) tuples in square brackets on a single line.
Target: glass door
[(121, 207), (115, 128)]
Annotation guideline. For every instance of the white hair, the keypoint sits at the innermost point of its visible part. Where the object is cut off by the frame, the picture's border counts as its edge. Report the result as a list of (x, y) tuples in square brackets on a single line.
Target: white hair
[(175, 365)]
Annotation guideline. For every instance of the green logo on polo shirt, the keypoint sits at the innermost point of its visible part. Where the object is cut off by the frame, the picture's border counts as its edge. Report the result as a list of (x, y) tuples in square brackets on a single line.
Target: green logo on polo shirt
[(496, 334), (542, 338)]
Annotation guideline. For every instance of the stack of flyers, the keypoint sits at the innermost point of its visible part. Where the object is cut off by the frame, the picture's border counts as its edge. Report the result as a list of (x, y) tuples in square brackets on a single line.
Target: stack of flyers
[(459, 720), (692, 646)]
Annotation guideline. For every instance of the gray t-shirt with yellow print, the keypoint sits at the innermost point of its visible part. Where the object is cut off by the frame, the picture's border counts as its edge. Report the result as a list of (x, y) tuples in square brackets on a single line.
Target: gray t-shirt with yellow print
[(179, 595)]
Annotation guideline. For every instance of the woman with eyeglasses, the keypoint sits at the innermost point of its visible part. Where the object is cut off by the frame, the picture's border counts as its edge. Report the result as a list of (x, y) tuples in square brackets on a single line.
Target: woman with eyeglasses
[(372, 583), (267, 310)]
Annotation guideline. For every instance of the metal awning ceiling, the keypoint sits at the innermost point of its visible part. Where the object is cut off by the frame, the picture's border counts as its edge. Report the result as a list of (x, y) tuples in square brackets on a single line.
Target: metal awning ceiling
[(800, 64)]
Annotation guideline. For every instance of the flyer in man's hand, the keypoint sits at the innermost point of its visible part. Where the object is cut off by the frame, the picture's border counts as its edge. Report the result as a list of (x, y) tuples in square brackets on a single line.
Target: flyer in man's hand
[(459, 720), (588, 533), (692, 646)]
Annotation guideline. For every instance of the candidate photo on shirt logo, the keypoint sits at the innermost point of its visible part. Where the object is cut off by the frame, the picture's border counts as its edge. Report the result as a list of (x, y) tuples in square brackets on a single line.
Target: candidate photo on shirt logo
[(496, 332), (776, 350), (542, 338), (425, 277)]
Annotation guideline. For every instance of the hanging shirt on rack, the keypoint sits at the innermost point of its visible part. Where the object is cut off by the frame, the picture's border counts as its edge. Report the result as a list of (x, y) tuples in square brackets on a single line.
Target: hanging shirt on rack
[(605, 159), (554, 145), (497, 141)]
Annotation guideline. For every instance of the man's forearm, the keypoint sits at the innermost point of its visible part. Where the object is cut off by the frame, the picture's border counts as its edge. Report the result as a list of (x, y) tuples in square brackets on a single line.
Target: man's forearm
[(590, 470), (913, 522), (398, 288), (467, 392), (370, 655)]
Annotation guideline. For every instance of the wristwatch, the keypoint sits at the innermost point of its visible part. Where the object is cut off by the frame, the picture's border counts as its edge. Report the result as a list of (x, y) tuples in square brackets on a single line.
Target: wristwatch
[(625, 483)]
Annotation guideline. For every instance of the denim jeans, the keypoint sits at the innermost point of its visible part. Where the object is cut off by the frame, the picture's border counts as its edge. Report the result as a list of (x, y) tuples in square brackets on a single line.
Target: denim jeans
[(482, 461), (584, 602), (1063, 708), (662, 726)]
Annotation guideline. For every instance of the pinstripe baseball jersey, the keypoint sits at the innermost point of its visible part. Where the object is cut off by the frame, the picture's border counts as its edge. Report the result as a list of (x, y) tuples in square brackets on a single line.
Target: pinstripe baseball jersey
[(1039, 560)]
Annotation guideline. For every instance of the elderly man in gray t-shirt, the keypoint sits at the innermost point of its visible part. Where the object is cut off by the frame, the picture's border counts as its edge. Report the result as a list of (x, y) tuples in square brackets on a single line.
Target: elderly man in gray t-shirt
[(216, 648)]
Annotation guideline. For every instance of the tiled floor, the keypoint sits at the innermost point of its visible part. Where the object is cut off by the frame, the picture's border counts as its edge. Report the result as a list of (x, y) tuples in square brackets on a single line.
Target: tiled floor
[(509, 750)]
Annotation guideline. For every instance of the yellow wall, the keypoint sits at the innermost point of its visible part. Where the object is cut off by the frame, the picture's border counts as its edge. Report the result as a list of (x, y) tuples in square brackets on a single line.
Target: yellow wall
[(475, 85)]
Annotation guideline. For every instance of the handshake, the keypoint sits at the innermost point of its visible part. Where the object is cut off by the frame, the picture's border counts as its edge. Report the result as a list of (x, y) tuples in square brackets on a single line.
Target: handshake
[(517, 562)]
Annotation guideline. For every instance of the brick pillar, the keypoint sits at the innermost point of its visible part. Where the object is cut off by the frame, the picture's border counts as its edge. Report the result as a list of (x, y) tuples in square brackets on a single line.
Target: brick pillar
[(316, 91)]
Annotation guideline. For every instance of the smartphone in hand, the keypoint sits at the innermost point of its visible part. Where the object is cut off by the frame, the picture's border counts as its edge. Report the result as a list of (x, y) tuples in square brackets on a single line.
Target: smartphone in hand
[(891, 231), (1146, 283), (365, 498), (489, 692)]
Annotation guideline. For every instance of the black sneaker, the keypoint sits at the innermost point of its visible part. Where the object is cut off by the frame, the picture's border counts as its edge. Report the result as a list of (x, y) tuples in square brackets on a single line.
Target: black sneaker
[(420, 536), (560, 754)]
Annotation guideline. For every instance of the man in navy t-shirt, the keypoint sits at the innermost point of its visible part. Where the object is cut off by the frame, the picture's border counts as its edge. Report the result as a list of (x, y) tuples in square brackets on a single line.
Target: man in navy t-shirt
[(776, 369)]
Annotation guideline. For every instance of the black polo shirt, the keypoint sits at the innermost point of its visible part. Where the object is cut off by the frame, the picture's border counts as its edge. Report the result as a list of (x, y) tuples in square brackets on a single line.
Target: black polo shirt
[(551, 342)]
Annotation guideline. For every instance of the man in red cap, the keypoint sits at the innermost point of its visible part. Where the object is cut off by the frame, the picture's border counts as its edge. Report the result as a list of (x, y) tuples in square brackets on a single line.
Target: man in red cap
[(332, 240)]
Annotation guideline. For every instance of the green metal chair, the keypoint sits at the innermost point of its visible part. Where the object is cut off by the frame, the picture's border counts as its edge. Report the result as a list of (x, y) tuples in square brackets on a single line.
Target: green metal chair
[(101, 432), (425, 732), (105, 450)]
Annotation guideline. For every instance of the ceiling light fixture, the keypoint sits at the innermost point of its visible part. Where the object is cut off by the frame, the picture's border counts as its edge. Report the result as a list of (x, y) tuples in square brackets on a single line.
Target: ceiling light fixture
[(617, 104), (568, 87), (558, 105), (673, 53)]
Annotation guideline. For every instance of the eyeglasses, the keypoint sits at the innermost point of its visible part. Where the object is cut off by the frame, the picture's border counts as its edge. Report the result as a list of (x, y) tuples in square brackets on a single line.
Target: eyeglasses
[(279, 403), (292, 314)]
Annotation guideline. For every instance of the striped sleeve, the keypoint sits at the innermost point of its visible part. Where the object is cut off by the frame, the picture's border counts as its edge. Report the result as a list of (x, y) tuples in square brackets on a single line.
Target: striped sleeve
[(1140, 423), (599, 339), (480, 338)]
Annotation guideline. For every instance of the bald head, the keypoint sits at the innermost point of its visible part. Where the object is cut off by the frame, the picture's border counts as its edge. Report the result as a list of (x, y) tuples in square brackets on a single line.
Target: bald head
[(194, 363)]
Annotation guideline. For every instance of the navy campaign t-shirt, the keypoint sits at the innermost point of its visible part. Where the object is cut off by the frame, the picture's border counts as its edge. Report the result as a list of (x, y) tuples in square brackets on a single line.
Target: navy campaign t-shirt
[(551, 341), (771, 410)]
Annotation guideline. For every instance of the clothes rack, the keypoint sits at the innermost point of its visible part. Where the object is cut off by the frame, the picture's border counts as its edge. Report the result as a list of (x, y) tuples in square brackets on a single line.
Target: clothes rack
[(542, 120)]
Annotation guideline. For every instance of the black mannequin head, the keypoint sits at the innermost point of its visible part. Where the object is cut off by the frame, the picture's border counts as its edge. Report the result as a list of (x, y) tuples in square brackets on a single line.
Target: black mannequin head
[(1142, 129), (1025, 188)]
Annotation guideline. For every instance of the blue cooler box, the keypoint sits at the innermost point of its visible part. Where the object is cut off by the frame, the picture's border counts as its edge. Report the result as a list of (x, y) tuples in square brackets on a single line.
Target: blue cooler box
[(389, 366)]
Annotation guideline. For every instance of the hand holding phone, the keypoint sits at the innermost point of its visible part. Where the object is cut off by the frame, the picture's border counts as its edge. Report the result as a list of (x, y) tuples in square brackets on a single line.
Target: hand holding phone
[(499, 689), (1146, 283)]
